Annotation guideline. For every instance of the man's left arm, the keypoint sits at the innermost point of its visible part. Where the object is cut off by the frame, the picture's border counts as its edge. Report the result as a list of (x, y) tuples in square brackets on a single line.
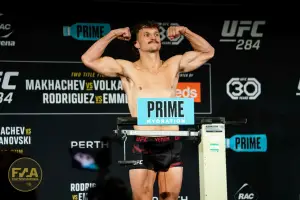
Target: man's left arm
[(203, 51)]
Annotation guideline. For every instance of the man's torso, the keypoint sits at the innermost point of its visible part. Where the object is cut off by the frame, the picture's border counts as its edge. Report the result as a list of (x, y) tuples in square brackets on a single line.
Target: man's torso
[(146, 84)]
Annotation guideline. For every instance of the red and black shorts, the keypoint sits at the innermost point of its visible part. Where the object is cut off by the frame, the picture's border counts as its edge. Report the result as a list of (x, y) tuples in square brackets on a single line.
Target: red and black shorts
[(156, 153)]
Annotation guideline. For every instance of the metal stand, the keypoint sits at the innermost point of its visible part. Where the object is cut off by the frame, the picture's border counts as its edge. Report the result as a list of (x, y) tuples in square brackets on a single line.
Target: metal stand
[(124, 147), (125, 162)]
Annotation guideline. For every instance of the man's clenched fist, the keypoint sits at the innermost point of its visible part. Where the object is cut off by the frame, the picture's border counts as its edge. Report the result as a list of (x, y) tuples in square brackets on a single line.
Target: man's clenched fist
[(175, 31), (123, 33)]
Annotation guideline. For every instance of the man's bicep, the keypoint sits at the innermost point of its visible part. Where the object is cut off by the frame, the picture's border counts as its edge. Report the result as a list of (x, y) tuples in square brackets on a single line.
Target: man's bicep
[(106, 66), (192, 60)]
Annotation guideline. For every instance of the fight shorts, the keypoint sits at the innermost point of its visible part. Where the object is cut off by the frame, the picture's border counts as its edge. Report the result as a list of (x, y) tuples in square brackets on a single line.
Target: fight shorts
[(156, 153)]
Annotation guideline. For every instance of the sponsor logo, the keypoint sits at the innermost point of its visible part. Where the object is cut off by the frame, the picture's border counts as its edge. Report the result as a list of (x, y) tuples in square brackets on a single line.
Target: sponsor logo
[(189, 90)]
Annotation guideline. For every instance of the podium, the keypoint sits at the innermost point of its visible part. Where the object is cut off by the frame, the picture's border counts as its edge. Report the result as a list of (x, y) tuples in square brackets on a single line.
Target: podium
[(209, 132)]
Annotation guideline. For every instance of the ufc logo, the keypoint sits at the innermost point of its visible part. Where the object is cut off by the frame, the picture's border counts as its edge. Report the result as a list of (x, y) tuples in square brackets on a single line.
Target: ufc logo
[(24, 172), (5, 79), (237, 28), (138, 162)]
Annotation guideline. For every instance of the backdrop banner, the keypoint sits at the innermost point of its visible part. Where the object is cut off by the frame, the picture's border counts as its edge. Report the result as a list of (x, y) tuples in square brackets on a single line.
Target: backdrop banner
[(51, 103)]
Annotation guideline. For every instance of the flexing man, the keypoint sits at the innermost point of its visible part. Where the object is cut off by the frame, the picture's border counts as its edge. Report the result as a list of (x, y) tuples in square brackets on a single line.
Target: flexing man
[(150, 77)]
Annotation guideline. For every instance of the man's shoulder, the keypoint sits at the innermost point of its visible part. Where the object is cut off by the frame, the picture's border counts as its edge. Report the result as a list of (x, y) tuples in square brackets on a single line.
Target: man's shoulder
[(124, 62), (174, 59)]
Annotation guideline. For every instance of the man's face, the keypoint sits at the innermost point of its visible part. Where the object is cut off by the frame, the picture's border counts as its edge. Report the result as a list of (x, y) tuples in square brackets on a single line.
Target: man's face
[(148, 40)]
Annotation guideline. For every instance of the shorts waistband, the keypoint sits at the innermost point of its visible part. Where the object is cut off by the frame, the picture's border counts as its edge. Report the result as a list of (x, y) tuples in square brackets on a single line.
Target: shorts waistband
[(143, 139)]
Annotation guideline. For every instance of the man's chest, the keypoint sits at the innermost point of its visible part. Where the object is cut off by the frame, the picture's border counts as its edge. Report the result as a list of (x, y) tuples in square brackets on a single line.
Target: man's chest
[(160, 78)]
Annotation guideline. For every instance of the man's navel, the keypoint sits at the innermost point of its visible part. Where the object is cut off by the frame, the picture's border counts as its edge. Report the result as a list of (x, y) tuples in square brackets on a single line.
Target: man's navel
[(140, 88)]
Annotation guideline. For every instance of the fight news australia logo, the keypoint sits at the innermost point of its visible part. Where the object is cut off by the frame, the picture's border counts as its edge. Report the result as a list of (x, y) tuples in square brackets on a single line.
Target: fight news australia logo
[(246, 193), (25, 174), (86, 31), (6, 30), (243, 88), (245, 34)]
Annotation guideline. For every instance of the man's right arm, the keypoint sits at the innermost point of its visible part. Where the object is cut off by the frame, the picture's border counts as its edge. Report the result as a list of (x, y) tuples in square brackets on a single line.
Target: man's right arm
[(104, 65)]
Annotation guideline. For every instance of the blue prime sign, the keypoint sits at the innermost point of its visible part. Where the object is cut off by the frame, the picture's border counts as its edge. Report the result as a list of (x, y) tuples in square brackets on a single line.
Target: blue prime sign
[(165, 111), (247, 143), (87, 31)]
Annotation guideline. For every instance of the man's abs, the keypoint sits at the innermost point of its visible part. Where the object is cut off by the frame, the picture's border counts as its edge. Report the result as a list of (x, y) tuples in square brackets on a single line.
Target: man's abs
[(166, 93)]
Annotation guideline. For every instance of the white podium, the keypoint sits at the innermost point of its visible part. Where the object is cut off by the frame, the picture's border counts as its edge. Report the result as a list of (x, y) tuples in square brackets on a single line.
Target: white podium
[(212, 162)]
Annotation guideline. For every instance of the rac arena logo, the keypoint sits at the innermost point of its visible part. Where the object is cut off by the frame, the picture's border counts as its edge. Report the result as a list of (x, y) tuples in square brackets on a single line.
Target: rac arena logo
[(6, 30), (189, 90)]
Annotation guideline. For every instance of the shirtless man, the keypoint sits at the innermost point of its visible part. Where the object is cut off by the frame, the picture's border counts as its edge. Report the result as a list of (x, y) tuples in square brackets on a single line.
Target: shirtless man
[(150, 77)]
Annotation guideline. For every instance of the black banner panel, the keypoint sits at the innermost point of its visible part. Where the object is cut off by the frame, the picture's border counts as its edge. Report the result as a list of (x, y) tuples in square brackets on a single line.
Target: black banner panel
[(57, 111)]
